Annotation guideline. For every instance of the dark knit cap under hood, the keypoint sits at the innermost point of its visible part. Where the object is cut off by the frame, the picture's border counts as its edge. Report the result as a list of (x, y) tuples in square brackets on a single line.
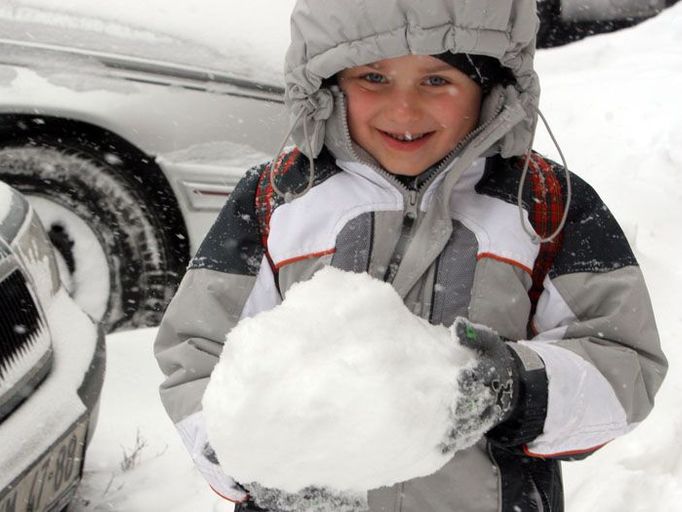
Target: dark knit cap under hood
[(485, 71)]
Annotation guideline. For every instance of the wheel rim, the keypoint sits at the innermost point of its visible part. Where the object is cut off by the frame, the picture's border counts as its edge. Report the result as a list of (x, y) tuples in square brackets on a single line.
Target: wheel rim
[(83, 265)]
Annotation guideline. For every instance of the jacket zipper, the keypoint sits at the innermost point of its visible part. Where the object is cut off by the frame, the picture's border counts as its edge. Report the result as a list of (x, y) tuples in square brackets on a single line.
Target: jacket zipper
[(410, 196), (411, 204), (409, 218)]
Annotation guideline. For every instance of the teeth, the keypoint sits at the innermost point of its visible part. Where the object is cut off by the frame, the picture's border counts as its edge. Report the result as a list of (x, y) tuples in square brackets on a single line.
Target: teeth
[(407, 136)]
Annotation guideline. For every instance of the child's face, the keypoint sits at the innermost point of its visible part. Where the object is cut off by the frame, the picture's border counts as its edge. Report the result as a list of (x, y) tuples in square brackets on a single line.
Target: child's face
[(409, 112)]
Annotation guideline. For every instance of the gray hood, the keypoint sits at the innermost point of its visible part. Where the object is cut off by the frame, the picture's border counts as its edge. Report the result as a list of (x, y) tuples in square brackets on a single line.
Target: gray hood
[(328, 36)]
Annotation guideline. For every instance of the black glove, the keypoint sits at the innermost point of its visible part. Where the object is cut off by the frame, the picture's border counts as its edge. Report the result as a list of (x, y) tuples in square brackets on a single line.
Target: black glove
[(310, 499), (488, 391)]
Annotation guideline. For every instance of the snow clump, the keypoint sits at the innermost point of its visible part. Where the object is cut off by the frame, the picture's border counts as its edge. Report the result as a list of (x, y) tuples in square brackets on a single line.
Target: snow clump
[(339, 387)]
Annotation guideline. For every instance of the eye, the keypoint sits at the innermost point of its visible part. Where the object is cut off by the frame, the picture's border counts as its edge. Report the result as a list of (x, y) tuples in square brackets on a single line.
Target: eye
[(436, 81), (374, 78)]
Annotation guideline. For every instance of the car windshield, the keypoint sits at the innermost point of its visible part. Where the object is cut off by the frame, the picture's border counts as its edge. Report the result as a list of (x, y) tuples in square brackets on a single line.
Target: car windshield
[(245, 39)]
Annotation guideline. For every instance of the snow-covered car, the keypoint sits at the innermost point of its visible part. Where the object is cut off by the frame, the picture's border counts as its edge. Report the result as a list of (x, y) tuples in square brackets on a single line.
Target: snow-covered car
[(127, 161), (564, 21), (51, 368)]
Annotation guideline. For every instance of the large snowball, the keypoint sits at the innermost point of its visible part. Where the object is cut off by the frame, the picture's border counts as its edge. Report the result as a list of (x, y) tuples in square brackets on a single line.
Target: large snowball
[(340, 386)]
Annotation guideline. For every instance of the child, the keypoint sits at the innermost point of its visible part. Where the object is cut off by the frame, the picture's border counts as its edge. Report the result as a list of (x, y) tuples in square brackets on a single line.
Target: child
[(413, 123)]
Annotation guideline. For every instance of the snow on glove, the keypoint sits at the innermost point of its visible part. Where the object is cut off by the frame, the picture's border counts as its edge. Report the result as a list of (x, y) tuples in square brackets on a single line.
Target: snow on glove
[(488, 391), (310, 499)]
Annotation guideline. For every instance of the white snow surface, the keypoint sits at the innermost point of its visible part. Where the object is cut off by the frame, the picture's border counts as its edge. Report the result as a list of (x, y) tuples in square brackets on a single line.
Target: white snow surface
[(331, 388), (614, 103)]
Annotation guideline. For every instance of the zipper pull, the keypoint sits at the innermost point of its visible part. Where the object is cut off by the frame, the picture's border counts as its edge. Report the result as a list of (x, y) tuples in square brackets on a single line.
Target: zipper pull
[(411, 212), (413, 197)]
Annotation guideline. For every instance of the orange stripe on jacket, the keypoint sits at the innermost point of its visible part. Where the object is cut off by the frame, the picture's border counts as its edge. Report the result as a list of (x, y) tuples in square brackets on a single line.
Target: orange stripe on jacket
[(289, 261), (510, 261)]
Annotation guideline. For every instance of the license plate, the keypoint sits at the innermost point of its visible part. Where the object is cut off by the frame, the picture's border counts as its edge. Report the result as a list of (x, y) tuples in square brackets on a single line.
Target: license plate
[(56, 472)]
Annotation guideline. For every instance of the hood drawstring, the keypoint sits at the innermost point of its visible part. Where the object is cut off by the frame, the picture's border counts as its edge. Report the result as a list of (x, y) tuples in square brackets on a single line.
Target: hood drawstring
[(290, 196), (519, 199)]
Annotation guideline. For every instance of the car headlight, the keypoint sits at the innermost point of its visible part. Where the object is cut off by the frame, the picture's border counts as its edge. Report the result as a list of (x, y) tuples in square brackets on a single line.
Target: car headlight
[(34, 251)]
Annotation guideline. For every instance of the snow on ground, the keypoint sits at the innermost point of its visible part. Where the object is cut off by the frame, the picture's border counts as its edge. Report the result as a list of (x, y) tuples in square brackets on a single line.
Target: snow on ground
[(615, 106), (136, 462)]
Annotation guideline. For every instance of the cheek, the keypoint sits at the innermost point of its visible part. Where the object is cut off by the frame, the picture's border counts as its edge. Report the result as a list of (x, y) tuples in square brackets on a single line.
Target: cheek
[(359, 107), (455, 111)]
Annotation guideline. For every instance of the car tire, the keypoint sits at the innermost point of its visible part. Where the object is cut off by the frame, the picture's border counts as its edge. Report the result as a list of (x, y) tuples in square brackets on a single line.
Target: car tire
[(119, 262)]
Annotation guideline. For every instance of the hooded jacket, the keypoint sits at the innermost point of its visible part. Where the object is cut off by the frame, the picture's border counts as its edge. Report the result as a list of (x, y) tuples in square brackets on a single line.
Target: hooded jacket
[(452, 246)]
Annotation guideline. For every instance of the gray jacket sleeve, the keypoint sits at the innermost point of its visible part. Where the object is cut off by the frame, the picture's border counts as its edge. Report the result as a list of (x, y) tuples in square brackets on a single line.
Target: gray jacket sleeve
[(596, 336), (226, 280)]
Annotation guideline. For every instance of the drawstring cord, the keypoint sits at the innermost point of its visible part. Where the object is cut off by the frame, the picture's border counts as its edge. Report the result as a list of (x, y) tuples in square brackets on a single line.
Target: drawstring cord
[(290, 196), (519, 199)]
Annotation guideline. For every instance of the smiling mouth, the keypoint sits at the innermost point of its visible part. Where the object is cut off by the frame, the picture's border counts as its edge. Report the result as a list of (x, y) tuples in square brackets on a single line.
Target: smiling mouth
[(406, 141)]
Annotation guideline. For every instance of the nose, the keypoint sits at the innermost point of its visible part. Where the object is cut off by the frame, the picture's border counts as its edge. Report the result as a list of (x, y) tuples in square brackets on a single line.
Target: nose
[(404, 106)]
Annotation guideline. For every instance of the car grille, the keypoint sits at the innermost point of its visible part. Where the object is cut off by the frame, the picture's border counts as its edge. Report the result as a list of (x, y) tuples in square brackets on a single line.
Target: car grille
[(25, 346)]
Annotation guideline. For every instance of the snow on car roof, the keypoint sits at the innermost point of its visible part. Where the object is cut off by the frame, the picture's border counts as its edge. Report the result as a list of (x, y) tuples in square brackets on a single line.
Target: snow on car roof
[(246, 39)]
